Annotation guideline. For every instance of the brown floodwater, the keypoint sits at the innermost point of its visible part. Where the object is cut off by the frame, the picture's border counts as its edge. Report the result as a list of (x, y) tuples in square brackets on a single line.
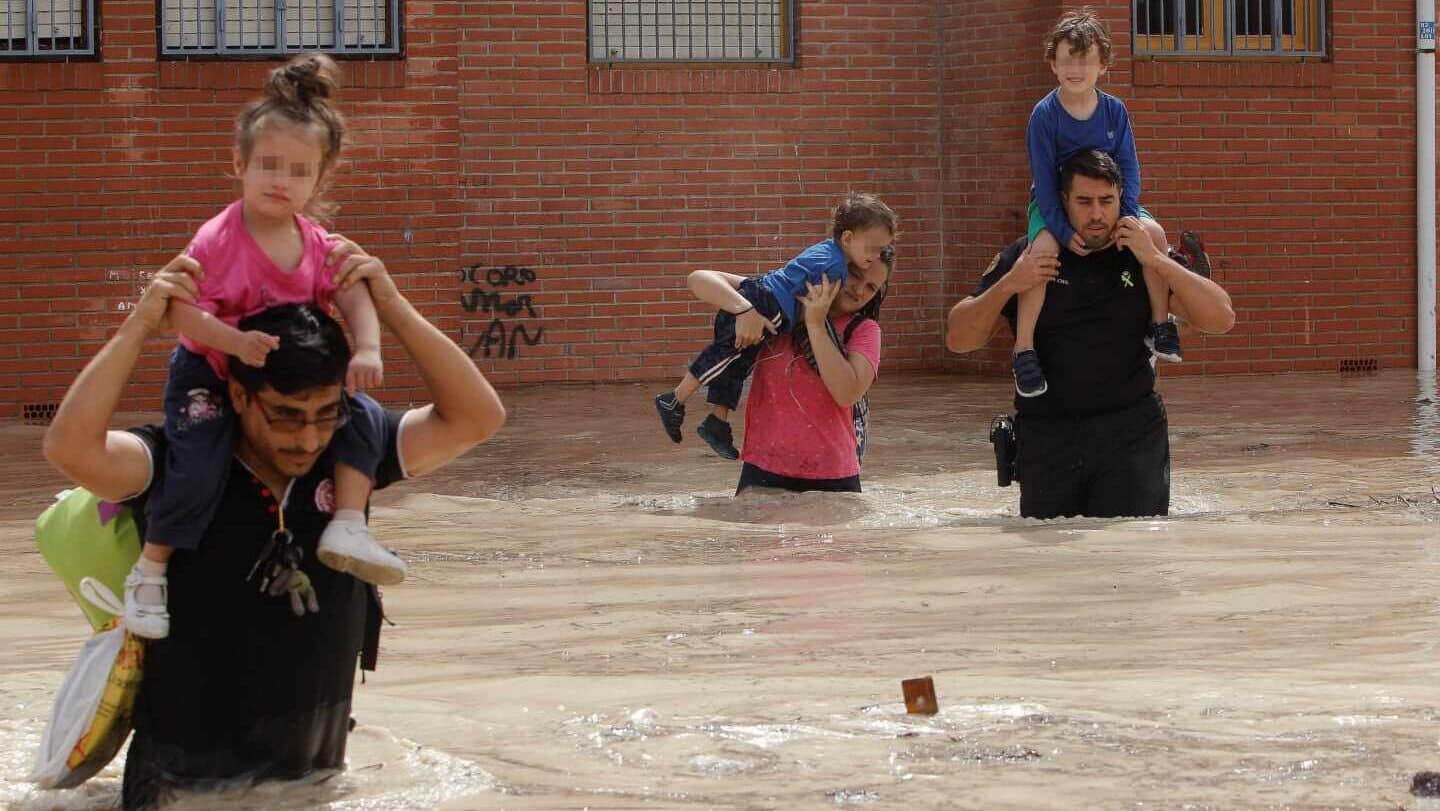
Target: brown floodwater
[(591, 621)]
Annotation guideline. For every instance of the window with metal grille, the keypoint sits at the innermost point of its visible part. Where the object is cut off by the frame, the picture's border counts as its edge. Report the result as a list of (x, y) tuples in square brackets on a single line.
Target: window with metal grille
[(244, 27), (692, 31), (1229, 27), (47, 28)]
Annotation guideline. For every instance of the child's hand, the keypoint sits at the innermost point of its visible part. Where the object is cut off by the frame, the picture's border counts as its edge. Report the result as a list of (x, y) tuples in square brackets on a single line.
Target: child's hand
[(750, 328), (366, 370), (254, 346), (817, 301), (1077, 246)]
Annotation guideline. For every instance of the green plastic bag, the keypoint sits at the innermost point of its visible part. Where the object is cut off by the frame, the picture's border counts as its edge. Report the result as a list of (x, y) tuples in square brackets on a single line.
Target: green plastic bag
[(82, 536)]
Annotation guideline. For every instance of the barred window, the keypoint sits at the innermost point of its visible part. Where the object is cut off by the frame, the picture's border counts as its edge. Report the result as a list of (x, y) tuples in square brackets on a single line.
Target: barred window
[(1229, 27), (47, 28), (244, 27), (691, 31)]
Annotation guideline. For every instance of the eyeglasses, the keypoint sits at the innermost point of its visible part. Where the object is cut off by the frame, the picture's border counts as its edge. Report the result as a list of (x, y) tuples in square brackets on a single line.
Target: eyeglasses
[(294, 425)]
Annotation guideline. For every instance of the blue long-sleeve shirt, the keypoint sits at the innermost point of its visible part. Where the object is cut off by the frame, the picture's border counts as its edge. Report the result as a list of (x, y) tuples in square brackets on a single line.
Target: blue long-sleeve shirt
[(823, 260), (1054, 136)]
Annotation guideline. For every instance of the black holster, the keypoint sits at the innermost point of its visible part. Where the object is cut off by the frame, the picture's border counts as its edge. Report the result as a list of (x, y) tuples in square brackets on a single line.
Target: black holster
[(1002, 436)]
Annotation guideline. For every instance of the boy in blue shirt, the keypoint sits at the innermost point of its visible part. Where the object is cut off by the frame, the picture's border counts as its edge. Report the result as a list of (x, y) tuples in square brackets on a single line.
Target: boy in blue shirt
[(1075, 117), (862, 226)]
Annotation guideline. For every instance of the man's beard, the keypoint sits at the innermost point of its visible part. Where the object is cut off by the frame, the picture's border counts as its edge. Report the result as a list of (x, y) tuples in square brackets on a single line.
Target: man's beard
[(1095, 243)]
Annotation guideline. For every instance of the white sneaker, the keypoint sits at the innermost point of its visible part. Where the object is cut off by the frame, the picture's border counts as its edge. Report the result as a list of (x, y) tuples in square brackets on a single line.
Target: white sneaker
[(146, 619), (348, 546)]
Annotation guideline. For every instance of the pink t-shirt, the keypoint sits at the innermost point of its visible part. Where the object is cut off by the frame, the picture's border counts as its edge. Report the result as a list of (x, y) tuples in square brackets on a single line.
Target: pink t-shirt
[(793, 426), (241, 280)]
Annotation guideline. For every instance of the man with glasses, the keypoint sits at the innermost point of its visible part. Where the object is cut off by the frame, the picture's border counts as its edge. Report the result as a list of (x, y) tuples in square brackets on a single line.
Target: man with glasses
[(255, 680)]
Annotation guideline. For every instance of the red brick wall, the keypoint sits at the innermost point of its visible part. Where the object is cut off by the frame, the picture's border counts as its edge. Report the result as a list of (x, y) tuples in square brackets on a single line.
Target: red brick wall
[(611, 183), (1300, 175), (494, 144)]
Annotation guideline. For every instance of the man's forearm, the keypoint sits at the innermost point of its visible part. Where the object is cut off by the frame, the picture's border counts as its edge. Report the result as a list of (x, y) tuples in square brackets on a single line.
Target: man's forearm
[(972, 321), (1203, 303), (79, 428), (458, 391)]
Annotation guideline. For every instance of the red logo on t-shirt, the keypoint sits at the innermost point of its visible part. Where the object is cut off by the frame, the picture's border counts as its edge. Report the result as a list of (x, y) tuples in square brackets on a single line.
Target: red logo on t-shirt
[(325, 496)]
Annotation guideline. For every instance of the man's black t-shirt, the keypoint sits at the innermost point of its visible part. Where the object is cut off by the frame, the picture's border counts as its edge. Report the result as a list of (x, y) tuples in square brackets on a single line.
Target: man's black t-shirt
[(242, 687), (1090, 335)]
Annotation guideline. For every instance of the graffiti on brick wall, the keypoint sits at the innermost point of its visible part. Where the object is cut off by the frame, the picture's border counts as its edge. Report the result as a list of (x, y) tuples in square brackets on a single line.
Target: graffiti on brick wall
[(141, 279), (500, 315)]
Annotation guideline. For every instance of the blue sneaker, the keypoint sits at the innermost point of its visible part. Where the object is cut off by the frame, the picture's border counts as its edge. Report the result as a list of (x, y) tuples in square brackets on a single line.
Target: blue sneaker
[(1029, 377), (1164, 341)]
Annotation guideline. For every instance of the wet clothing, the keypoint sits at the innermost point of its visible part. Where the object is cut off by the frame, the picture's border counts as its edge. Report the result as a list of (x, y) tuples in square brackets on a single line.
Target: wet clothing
[(1054, 136), (752, 476), (242, 689), (793, 426), (200, 428), (1102, 465), (1096, 442)]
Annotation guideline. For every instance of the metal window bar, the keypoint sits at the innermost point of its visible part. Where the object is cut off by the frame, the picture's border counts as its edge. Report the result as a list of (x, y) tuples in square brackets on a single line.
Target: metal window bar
[(691, 31), (47, 28), (1250, 27), (260, 27)]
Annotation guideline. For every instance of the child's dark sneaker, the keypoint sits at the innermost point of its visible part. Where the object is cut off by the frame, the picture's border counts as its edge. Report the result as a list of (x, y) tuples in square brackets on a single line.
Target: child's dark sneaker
[(672, 414), (1193, 249), (1164, 341), (1029, 377), (717, 434)]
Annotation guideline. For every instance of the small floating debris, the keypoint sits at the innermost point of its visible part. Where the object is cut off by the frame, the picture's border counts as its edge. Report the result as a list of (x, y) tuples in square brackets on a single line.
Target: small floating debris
[(920, 696)]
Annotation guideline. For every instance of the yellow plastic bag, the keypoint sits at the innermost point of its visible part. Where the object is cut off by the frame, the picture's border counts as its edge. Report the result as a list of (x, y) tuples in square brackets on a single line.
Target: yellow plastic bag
[(93, 709)]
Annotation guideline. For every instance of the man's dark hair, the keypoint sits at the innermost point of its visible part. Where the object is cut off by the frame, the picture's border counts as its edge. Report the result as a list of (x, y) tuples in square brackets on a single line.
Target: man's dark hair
[(1091, 163), (313, 350)]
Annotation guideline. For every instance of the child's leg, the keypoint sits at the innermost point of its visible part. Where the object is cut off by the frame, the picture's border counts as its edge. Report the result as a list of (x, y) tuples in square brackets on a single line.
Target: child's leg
[(352, 489), (712, 367), (1164, 338), (346, 545), (1032, 301), (1158, 289), (687, 386), (1027, 313), (199, 439), (1024, 363), (1159, 293)]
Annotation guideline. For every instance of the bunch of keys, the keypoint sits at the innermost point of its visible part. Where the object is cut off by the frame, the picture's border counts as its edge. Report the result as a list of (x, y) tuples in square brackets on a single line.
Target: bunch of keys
[(278, 566)]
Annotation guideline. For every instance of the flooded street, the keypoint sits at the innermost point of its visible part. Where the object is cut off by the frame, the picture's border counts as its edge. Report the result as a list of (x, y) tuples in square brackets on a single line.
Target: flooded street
[(591, 621)]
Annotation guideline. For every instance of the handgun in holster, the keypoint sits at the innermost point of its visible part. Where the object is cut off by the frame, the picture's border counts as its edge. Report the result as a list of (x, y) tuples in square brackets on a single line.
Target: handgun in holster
[(1002, 436)]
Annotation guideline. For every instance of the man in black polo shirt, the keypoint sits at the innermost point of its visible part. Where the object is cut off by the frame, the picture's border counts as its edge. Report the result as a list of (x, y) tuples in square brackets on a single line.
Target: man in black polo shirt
[(1096, 443), (254, 685)]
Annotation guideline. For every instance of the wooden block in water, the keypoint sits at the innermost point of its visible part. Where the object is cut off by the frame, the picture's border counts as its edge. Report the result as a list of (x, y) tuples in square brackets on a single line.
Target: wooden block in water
[(920, 696)]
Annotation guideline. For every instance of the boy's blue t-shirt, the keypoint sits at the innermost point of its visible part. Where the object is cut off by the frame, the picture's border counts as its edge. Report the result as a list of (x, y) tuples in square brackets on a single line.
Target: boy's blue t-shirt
[(823, 260), (1054, 136)]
